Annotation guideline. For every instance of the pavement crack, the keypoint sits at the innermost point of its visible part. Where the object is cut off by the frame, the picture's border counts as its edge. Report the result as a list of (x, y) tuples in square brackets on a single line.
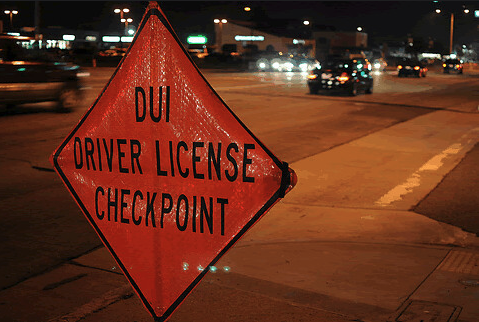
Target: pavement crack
[(93, 267), (42, 168), (63, 282), (118, 294), (424, 280), (39, 168)]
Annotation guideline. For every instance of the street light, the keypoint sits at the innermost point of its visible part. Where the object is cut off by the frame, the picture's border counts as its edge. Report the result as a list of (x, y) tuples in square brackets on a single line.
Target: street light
[(122, 18), (11, 13), (219, 40), (451, 33)]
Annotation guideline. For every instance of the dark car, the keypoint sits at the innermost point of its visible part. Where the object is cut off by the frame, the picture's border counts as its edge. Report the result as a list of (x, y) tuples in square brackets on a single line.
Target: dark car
[(452, 65), (347, 75), (32, 75), (410, 67)]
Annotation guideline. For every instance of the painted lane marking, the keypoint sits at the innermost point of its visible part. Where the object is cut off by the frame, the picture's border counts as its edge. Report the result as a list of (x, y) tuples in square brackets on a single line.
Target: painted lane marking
[(433, 164)]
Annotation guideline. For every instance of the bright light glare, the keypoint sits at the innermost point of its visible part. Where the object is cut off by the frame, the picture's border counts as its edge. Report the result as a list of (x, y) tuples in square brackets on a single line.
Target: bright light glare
[(247, 9), (197, 40), (126, 39), (288, 66), (69, 37), (275, 65), (438, 10), (224, 21), (14, 12), (303, 67), (249, 38), (131, 32), (117, 11), (216, 21), (359, 29), (262, 65), (466, 10), (126, 10), (377, 65), (306, 23), (110, 39)]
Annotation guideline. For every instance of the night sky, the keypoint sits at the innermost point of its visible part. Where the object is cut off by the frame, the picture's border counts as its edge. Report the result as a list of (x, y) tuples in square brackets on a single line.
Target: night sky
[(380, 19)]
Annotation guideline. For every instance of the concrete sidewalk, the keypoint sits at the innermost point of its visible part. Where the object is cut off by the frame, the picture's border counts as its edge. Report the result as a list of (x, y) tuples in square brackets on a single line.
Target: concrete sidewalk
[(367, 266)]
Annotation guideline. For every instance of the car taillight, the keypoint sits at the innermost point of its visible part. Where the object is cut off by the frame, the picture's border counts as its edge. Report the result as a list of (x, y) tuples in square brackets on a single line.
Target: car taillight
[(457, 66), (399, 67), (416, 67), (312, 76), (343, 78), (443, 65)]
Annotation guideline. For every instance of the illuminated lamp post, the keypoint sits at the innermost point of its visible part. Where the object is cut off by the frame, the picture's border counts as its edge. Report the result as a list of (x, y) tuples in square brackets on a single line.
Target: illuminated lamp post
[(11, 13), (451, 33), (126, 22), (219, 39), (122, 12)]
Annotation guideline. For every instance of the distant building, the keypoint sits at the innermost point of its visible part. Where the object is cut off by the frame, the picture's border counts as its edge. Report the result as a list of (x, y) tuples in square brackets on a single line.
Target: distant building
[(244, 38)]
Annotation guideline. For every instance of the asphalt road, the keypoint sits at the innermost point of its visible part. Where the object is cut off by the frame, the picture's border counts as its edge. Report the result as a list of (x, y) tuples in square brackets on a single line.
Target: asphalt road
[(41, 227)]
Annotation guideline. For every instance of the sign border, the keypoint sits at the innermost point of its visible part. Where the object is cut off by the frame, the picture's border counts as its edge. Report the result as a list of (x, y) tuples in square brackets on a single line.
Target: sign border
[(285, 182)]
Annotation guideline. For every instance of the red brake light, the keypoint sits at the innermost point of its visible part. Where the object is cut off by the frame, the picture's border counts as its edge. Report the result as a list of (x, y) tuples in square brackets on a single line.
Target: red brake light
[(343, 78), (399, 67)]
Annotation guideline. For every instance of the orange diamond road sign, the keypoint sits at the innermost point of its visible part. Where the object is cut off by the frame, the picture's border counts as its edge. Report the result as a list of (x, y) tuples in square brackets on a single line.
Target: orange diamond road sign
[(164, 171)]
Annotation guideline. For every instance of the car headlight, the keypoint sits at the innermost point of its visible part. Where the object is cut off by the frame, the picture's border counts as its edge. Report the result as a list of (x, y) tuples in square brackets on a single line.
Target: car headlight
[(303, 67), (288, 66), (377, 65)]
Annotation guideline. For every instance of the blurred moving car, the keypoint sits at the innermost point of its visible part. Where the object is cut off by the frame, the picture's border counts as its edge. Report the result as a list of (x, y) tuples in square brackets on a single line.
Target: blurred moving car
[(347, 75), (113, 52), (31, 75), (453, 65), (410, 67)]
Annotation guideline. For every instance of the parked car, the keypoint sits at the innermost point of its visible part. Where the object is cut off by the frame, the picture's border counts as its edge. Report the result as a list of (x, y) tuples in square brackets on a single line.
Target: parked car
[(30, 76), (452, 65), (347, 75), (410, 67)]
